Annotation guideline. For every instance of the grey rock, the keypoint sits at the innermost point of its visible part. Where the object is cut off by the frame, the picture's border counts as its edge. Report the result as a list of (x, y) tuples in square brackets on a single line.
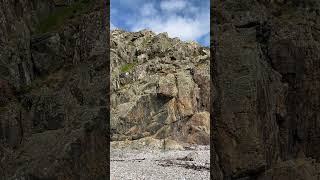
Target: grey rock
[(155, 91), (53, 123), (266, 88)]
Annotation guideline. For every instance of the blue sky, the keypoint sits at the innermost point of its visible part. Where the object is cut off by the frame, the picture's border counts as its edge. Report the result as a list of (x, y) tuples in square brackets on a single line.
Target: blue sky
[(186, 19)]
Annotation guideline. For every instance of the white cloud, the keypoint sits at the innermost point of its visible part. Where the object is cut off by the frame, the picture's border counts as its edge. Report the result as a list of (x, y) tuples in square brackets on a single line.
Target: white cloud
[(186, 28), (148, 10), (179, 18), (112, 26), (192, 10), (173, 5)]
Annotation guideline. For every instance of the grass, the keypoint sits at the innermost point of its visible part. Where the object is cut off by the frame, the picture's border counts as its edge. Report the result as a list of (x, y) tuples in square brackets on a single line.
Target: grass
[(56, 19), (128, 67), (146, 41)]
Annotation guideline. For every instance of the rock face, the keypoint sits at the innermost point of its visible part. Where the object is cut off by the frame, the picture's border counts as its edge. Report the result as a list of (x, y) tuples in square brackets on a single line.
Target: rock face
[(53, 90), (267, 82), (159, 88)]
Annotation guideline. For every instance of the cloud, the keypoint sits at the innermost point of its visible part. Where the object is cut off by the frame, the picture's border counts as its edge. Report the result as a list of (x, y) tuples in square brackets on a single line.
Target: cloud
[(148, 10), (173, 5), (112, 26), (175, 26), (186, 19), (192, 26)]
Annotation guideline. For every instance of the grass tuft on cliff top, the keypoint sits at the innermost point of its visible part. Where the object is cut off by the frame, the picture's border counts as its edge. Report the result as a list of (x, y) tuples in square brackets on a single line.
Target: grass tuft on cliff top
[(56, 19), (128, 67)]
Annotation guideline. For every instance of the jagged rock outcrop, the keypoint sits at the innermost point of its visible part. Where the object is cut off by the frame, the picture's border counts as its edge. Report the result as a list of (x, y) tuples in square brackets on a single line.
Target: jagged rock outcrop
[(53, 90), (266, 77), (159, 88)]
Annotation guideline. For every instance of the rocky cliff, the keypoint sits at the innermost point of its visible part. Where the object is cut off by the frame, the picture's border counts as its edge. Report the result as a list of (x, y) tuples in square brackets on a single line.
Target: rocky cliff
[(53, 89), (160, 88), (266, 77)]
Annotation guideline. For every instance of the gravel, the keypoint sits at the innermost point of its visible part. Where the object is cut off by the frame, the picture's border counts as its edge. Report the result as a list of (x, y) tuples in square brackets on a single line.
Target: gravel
[(159, 164)]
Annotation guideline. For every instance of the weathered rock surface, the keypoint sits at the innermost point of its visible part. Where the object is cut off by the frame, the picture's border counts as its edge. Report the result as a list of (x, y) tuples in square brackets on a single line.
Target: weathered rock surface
[(298, 169), (159, 88), (266, 82), (53, 91)]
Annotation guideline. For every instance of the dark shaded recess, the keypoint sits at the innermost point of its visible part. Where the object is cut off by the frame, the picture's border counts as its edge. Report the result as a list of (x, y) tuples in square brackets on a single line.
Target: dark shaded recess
[(77, 93), (20, 119), (76, 150), (42, 123), (248, 25), (303, 3), (114, 43), (18, 8), (296, 138), (36, 71), (113, 131), (262, 107), (173, 58), (27, 102), (280, 120), (32, 177), (138, 53), (163, 99), (4, 71), (289, 78), (21, 74), (250, 174), (134, 38), (263, 32)]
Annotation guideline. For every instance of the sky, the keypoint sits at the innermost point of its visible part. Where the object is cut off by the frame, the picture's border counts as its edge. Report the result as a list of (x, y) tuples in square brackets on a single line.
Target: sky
[(185, 19)]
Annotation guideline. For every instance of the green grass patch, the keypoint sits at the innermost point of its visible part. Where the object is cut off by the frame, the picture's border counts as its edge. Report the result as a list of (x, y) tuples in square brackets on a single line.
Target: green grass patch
[(59, 17), (128, 67), (146, 41)]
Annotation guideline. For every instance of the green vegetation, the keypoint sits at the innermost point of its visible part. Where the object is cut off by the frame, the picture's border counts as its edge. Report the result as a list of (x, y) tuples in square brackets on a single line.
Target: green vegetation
[(128, 67), (146, 41), (56, 19)]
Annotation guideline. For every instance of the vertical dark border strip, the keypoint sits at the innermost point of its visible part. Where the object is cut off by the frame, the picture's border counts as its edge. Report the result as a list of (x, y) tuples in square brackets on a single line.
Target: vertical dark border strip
[(212, 159), (107, 26), (215, 97)]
